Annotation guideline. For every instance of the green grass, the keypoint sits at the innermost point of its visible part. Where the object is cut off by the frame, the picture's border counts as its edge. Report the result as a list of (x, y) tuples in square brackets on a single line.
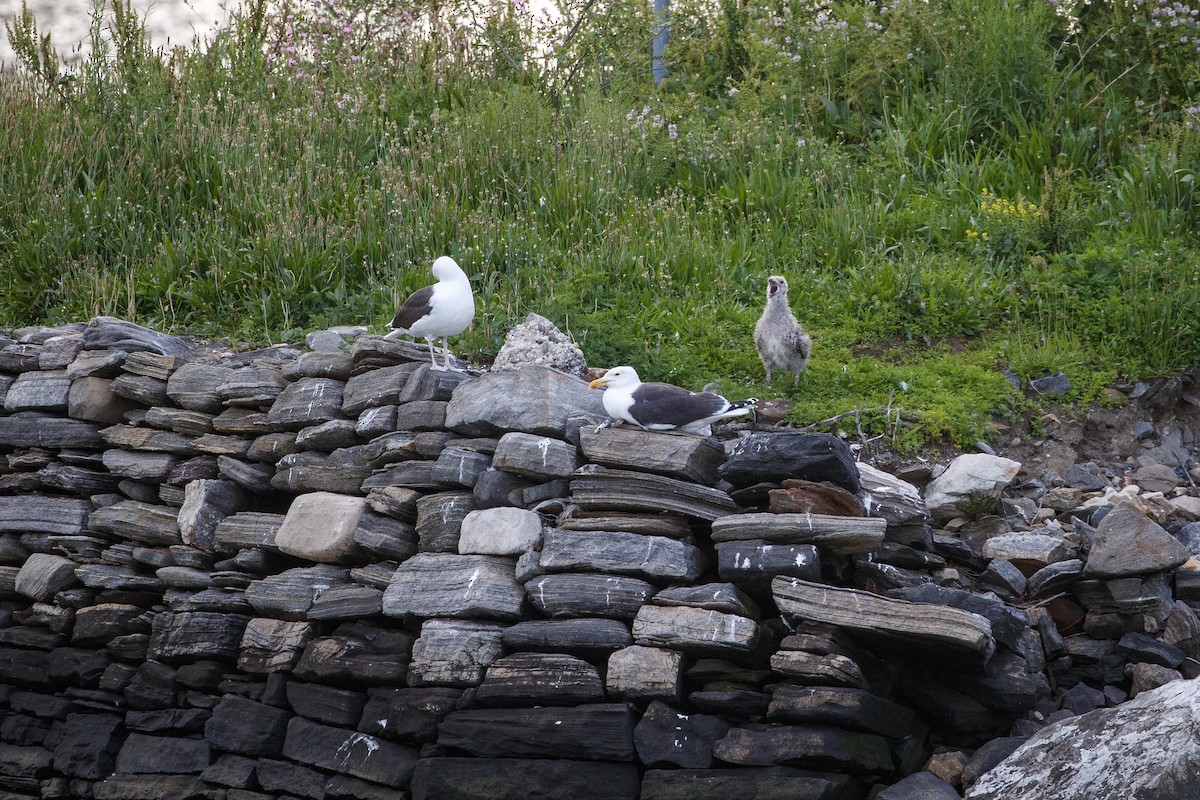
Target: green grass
[(951, 189)]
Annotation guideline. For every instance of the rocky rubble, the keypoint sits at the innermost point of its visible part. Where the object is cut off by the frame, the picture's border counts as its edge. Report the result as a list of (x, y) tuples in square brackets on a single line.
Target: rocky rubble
[(337, 573)]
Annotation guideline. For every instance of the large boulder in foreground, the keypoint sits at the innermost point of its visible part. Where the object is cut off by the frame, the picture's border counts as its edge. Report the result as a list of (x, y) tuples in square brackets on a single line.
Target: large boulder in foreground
[(1145, 748)]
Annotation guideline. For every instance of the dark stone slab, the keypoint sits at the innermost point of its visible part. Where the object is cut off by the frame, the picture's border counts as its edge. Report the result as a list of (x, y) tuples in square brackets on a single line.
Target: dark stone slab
[(142, 753), (919, 786), (32, 429), (308, 401), (693, 458), (192, 635), (539, 679), (522, 779), (408, 714), (141, 522), (813, 746), (290, 594), (357, 653), (89, 746), (667, 737), (751, 783), (595, 732), (773, 457), (448, 585), (649, 557), (843, 707), (245, 727), (587, 638), (597, 487), (326, 704), (588, 595), (349, 752), (531, 399)]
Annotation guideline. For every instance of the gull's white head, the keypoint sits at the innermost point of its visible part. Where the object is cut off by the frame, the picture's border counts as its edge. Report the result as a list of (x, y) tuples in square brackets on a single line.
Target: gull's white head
[(617, 378), (446, 268)]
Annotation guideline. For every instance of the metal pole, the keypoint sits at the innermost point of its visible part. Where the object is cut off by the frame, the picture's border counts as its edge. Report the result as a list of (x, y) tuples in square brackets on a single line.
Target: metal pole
[(658, 65)]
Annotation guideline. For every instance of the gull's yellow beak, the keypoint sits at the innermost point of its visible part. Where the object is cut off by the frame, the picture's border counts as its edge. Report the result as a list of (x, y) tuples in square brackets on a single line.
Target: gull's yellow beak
[(599, 383)]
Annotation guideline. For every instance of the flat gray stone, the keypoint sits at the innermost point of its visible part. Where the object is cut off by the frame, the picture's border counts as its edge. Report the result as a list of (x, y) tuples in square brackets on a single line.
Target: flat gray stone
[(455, 586), (530, 399), (1128, 543), (454, 652)]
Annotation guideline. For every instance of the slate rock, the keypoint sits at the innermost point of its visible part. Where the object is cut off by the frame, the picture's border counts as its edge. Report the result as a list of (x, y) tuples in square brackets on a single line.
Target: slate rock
[(439, 520), (522, 779), (692, 458), (43, 514), (358, 652), (88, 745), (530, 399), (349, 752), (746, 783), (589, 639), (385, 537), (836, 535), (593, 732), (539, 679), (290, 594), (43, 575), (94, 400), (272, 645), (247, 529), (943, 632), (306, 402), (970, 486), (824, 669), (104, 333), (142, 753), (638, 673), (537, 457), (594, 487), (375, 388), (454, 586), (454, 652), (141, 522), (588, 595), (771, 457), (696, 631), (797, 496), (814, 746), (194, 635), (844, 707), (1029, 552), (458, 466), (753, 564), (1128, 543), (665, 737), (33, 429), (205, 504), (326, 704), (723, 597), (649, 557), (410, 714)]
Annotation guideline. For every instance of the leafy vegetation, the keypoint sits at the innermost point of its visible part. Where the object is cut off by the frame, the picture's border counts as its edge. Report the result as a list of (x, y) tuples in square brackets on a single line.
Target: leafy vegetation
[(952, 188)]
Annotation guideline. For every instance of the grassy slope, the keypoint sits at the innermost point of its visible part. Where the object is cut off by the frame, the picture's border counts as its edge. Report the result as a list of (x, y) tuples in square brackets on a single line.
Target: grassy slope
[(950, 189)]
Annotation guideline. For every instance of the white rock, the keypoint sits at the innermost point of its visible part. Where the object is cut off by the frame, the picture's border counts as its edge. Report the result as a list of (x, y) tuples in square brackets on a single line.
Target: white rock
[(499, 532), (970, 486), (538, 342)]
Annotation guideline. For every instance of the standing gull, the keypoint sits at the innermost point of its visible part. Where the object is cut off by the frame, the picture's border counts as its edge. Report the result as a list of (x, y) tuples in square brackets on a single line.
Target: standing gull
[(781, 342), (662, 406), (444, 309)]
